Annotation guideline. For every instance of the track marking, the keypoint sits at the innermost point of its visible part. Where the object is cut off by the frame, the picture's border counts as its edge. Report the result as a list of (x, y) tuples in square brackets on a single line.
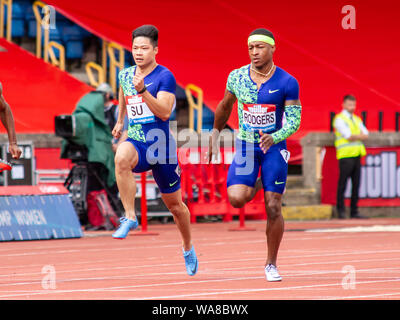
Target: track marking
[(260, 290), (364, 296), (377, 228)]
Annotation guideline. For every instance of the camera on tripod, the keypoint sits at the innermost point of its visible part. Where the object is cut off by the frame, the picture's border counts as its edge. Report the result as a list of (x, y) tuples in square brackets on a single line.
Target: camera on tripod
[(65, 127), (87, 143)]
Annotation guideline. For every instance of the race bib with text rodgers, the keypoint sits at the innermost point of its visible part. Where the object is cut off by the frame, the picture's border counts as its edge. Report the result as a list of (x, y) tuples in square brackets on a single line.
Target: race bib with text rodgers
[(138, 111), (259, 116)]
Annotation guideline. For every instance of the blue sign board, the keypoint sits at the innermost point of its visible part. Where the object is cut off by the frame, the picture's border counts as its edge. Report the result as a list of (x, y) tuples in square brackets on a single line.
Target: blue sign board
[(37, 217)]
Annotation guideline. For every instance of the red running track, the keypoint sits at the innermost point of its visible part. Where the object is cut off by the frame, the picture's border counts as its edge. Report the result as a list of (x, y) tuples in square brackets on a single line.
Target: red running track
[(230, 264)]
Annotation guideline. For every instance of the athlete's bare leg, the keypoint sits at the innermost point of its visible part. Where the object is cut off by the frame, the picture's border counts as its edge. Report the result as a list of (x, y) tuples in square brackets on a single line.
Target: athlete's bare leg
[(181, 215), (126, 159), (240, 194), (275, 225)]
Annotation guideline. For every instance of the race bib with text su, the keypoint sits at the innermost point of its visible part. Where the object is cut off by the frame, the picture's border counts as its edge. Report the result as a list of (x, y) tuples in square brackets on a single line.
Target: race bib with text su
[(138, 111)]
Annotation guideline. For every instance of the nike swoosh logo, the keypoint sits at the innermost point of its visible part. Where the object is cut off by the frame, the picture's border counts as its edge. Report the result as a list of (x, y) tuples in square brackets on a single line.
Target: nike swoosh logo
[(148, 85), (276, 182), (194, 270), (272, 91), (171, 184)]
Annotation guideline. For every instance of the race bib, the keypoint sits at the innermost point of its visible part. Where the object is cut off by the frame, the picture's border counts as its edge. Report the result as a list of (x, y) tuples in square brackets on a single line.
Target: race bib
[(259, 116), (138, 111)]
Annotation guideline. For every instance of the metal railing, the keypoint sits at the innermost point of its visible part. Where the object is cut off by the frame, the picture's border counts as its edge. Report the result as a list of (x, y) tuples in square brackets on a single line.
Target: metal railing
[(112, 48), (198, 105), (3, 4), (90, 68), (60, 62)]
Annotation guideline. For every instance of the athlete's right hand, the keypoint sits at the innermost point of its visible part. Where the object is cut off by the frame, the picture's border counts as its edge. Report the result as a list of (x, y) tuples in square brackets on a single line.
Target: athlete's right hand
[(117, 131), (212, 147), (15, 151)]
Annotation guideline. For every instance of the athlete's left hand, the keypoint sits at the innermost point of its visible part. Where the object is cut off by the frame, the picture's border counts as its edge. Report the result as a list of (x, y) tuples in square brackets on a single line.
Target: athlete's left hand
[(15, 151), (266, 141), (138, 82)]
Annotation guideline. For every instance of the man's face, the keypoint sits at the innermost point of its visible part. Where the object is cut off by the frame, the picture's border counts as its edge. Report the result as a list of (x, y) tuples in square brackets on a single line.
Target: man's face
[(349, 105), (260, 53), (143, 51)]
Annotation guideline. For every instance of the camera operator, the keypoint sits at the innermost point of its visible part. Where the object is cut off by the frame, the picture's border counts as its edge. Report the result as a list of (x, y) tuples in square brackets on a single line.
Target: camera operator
[(89, 144), (111, 113)]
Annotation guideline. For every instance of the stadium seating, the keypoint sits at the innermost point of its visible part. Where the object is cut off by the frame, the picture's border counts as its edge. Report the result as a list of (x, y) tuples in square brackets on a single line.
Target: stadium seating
[(72, 40), (30, 22)]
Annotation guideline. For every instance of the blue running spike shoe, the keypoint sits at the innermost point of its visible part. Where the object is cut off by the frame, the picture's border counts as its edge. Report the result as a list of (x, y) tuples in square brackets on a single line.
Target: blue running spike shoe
[(191, 261), (124, 227)]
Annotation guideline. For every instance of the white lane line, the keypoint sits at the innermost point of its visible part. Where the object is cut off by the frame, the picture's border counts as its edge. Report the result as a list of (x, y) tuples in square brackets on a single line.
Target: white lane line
[(140, 246), (219, 261), (363, 296), (375, 228), (135, 287), (261, 290)]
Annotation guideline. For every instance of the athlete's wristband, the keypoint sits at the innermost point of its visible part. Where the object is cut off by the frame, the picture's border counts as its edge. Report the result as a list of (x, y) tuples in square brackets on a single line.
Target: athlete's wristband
[(143, 90)]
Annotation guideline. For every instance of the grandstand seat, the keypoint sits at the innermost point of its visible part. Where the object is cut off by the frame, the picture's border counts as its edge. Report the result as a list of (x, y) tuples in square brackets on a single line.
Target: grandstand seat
[(208, 118), (84, 33), (72, 39), (31, 22)]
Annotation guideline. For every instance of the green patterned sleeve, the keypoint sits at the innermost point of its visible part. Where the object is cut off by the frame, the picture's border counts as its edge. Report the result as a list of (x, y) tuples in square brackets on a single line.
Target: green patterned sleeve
[(293, 118), (230, 84)]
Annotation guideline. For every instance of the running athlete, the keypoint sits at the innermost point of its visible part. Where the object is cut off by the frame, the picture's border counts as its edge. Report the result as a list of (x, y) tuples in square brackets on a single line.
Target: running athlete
[(147, 93), (7, 120), (265, 93)]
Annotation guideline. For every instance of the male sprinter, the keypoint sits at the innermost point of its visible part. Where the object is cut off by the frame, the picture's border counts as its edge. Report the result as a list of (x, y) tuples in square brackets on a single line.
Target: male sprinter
[(265, 93), (147, 93), (7, 120)]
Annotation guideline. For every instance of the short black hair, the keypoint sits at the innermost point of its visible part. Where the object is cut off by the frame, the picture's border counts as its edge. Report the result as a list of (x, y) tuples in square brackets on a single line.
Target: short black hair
[(148, 31), (349, 97), (263, 32)]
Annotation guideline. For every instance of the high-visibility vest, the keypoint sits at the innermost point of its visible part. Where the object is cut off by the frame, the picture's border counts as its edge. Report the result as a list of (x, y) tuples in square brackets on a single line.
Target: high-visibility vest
[(344, 147)]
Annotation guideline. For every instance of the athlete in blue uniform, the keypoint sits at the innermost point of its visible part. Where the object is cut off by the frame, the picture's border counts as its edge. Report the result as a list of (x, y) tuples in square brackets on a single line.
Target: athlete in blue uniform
[(147, 95), (265, 93)]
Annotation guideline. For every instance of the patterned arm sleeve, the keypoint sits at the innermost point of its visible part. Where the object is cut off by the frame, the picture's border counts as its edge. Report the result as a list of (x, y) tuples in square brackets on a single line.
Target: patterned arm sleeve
[(293, 118)]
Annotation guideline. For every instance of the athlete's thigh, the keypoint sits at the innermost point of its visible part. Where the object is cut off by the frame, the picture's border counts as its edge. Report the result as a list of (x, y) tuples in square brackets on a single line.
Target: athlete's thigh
[(274, 168), (134, 152), (126, 155), (240, 192), (244, 167)]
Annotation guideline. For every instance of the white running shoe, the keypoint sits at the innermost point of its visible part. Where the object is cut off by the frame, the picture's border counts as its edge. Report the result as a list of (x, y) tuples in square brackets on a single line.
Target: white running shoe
[(271, 272)]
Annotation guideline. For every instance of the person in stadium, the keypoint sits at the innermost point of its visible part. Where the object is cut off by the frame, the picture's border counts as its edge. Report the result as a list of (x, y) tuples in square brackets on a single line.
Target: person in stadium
[(111, 111), (350, 133), (7, 120), (265, 93), (147, 94)]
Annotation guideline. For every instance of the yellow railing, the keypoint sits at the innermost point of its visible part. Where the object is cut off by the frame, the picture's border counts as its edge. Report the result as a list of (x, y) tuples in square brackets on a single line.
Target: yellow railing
[(53, 59), (112, 47), (3, 4), (90, 66), (195, 106), (104, 57), (40, 21)]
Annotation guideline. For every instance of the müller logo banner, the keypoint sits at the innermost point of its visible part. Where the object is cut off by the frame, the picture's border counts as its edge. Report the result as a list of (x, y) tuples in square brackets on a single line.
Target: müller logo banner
[(379, 182)]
